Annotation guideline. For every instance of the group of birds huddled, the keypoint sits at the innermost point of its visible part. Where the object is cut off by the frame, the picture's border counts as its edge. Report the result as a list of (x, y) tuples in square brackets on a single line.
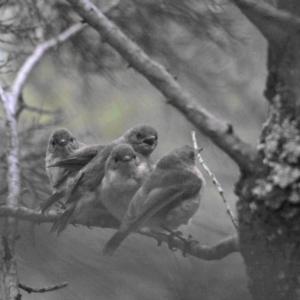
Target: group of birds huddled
[(122, 178)]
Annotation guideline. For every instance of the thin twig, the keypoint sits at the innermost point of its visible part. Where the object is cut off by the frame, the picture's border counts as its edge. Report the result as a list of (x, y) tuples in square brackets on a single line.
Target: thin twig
[(215, 181), (43, 289)]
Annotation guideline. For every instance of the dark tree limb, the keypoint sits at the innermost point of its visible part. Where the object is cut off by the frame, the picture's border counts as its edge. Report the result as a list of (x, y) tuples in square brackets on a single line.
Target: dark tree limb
[(275, 25), (219, 132), (105, 220), (51, 288)]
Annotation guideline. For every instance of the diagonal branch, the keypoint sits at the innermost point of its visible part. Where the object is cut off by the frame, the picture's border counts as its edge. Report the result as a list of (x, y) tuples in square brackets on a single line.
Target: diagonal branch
[(105, 220), (275, 25), (219, 132), (36, 56)]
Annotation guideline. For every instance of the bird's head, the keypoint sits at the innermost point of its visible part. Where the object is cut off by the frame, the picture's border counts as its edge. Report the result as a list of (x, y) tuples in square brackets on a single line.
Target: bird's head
[(62, 140), (178, 158), (143, 139), (122, 157)]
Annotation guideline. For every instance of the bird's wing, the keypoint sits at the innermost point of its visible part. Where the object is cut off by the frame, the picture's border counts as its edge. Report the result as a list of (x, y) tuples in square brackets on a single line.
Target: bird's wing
[(62, 179), (79, 158), (157, 199), (89, 177), (56, 196), (62, 222)]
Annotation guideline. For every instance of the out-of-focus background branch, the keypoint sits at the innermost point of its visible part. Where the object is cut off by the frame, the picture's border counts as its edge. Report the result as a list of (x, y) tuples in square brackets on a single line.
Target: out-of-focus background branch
[(214, 52)]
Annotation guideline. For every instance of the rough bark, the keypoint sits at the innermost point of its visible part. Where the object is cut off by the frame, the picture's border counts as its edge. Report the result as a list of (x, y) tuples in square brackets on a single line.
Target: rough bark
[(269, 200)]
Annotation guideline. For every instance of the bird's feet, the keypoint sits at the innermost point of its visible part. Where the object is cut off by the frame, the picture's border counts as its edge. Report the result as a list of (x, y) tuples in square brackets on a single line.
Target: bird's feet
[(186, 241)]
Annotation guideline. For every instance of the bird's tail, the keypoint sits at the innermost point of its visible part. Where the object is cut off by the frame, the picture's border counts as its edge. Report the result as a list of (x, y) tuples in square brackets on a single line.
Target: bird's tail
[(55, 197), (60, 224), (114, 242)]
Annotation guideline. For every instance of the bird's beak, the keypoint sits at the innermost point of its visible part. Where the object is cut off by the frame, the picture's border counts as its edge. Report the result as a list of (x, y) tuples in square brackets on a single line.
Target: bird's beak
[(151, 141), (63, 142), (127, 158)]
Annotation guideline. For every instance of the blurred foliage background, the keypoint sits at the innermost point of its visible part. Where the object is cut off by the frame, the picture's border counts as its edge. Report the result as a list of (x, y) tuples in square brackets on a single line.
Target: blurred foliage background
[(215, 54)]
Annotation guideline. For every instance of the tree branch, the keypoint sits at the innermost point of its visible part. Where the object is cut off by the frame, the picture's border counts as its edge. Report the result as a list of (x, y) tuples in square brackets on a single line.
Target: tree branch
[(51, 288), (105, 220), (219, 132), (39, 51), (274, 24), (9, 265)]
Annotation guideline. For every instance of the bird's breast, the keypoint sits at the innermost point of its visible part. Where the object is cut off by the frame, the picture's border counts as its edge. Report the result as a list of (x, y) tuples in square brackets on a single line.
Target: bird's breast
[(179, 214)]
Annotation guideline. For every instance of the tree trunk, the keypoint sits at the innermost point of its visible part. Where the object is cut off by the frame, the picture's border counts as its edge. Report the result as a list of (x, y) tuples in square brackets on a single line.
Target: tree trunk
[(269, 199)]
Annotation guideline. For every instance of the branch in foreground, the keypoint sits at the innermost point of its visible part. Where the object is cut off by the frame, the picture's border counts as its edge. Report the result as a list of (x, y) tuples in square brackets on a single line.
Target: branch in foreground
[(9, 265), (44, 289), (276, 25), (219, 132), (215, 181), (225, 247), (105, 220)]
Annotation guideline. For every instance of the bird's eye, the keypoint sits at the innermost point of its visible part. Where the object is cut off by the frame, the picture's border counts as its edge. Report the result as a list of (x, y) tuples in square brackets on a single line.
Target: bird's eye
[(72, 140), (52, 143), (134, 156), (116, 159), (139, 135)]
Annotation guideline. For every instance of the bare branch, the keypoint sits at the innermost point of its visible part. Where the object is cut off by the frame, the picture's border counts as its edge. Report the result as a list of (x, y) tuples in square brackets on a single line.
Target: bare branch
[(9, 266), (215, 181), (219, 132), (39, 51), (44, 289), (40, 111), (275, 25), (193, 248), (23, 105), (105, 220)]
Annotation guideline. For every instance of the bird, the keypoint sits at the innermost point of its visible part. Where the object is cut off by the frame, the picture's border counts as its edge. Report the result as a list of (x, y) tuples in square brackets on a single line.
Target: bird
[(124, 174), (83, 194), (169, 197), (61, 144)]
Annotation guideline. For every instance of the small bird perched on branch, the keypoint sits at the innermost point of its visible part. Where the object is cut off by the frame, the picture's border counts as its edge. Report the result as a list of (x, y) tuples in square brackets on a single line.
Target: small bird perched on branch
[(83, 194), (169, 197), (124, 174), (61, 144)]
